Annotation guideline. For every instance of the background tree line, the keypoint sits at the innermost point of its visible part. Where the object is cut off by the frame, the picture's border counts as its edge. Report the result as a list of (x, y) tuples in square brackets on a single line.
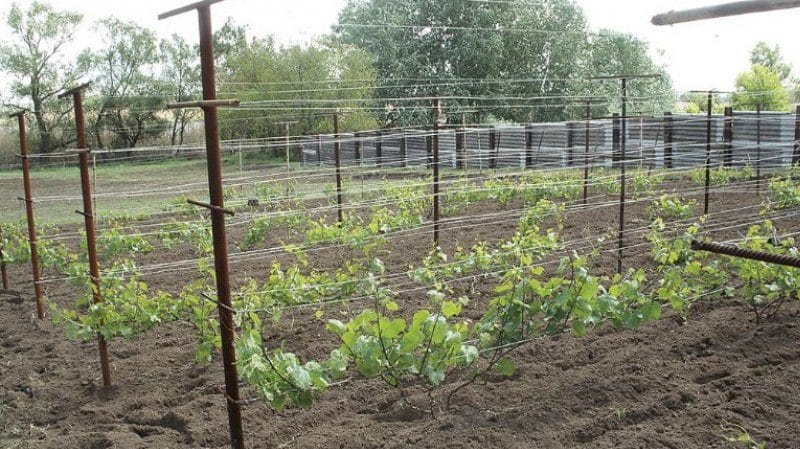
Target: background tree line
[(493, 61)]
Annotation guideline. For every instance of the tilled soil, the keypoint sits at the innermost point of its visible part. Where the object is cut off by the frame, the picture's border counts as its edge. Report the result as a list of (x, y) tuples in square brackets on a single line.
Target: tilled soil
[(674, 383)]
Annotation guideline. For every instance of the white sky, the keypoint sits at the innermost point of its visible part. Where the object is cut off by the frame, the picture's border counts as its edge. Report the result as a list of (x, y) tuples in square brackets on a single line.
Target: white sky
[(698, 55)]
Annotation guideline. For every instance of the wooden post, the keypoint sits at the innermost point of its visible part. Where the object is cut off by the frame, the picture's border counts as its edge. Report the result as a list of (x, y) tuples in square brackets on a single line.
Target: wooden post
[(707, 193), (337, 158), (379, 149), (796, 152), (429, 151), (586, 153), (668, 148), (3, 271), (435, 147), (758, 150), (463, 153), (461, 141), (528, 146), (727, 138), (570, 144), (615, 139), (403, 149), (357, 149), (319, 150), (492, 146)]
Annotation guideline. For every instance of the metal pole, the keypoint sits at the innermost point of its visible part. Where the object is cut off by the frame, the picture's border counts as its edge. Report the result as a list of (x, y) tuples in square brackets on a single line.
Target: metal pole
[(735, 251), (435, 144), (26, 183), (724, 10), (586, 154), (214, 162), (708, 154), (622, 178), (337, 148), (758, 150), (88, 217)]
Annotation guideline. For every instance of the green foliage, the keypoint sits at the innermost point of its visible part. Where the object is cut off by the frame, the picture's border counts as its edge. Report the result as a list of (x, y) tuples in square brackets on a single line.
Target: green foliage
[(127, 308), (195, 233), (765, 287), (278, 376), (32, 56), (784, 194), (283, 78), (771, 58), (686, 275), (722, 175), (670, 207), (760, 86), (611, 53)]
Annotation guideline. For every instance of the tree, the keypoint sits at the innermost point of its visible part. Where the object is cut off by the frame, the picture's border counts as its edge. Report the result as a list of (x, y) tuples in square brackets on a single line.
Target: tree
[(130, 103), (614, 53), (489, 56), (760, 86), (180, 78), (32, 57), (771, 58), (697, 102), (303, 84)]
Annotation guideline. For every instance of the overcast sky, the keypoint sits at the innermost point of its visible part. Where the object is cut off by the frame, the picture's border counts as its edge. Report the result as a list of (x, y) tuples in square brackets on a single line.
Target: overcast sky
[(700, 55)]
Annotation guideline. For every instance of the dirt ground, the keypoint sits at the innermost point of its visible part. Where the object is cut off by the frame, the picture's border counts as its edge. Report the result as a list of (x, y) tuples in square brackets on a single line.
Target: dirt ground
[(673, 383)]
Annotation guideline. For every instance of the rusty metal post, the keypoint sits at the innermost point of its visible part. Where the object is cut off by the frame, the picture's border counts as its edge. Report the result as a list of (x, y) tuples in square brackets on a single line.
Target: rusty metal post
[(88, 217), (3, 271), (727, 138), (668, 123), (435, 143), (214, 163), (796, 152), (337, 159), (586, 153), (32, 239), (708, 154), (622, 177), (735, 251), (758, 150)]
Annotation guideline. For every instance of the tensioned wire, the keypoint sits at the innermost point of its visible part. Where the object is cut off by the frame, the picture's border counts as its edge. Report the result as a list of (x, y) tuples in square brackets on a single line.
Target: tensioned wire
[(249, 256)]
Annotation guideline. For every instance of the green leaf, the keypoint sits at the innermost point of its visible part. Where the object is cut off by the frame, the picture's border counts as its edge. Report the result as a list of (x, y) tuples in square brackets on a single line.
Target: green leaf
[(578, 328), (450, 309), (505, 367)]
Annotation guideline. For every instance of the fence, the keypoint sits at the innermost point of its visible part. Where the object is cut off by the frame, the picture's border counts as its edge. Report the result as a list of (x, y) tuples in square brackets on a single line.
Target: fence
[(668, 141)]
